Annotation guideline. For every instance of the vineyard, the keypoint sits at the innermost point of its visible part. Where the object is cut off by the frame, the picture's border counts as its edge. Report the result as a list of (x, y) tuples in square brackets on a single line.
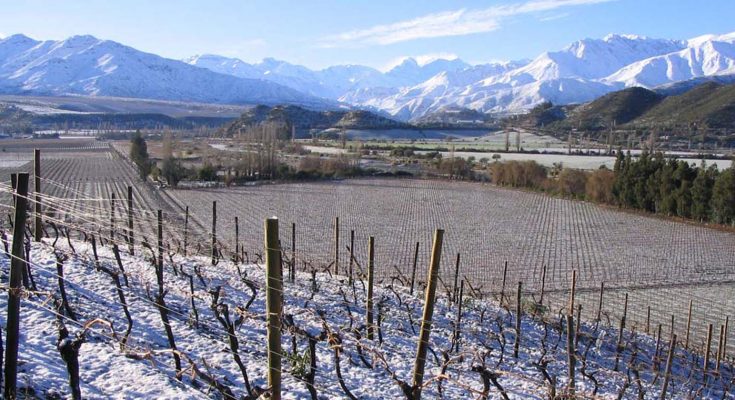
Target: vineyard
[(661, 264), (179, 317)]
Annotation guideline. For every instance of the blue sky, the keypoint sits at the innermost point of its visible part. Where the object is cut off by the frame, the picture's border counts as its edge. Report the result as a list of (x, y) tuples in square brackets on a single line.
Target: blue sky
[(320, 33)]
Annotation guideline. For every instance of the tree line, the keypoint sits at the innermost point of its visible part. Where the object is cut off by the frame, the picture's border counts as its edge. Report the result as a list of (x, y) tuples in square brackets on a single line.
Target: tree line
[(651, 183), (674, 188)]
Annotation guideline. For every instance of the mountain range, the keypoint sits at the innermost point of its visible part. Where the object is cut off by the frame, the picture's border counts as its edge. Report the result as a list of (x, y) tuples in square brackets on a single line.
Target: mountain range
[(581, 72), (85, 65)]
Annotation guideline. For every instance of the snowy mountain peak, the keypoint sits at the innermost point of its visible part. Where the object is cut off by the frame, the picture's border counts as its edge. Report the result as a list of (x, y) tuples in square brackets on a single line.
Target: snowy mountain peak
[(85, 65), (700, 40), (411, 88), (17, 38), (611, 37)]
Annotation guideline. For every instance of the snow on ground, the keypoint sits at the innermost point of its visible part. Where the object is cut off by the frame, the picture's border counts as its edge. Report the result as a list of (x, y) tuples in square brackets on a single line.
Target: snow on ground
[(324, 304), (567, 160)]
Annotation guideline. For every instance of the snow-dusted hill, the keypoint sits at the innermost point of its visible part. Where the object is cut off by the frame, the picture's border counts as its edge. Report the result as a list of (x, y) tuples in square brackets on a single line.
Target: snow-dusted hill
[(126, 351), (85, 65)]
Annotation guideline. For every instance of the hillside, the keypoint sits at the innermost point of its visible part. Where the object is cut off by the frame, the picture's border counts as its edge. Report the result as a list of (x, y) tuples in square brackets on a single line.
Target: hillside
[(456, 117), (15, 120), (615, 108), (303, 118), (710, 104), (124, 351), (542, 115)]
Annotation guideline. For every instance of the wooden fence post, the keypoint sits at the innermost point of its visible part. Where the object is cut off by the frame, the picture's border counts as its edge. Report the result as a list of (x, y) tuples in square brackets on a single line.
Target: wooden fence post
[(237, 239), (37, 227), (543, 285), (572, 292), (131, 238), (599, 305), (112, 217), (502, 286), (352, 256), (370, 272), (455, 288), (293, 251), (17, 265), (413, 270), (517, 343), (214, 232), (667, 375), (336, 245), (707, 350), (427, 319), (571, 352), (160, 245), (619, 346), (571, 357), (689, 326), (186, 229), (719, 348), (273, 299), (458, 322)]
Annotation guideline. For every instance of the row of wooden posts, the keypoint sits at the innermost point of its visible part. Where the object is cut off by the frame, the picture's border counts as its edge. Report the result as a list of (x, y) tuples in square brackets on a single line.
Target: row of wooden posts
[(274, 306), (273, 271), (274, 282)]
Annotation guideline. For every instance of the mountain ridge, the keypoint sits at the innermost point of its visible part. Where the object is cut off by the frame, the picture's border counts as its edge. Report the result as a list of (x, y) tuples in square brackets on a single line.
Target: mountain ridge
[(579, 73), (85, 65)]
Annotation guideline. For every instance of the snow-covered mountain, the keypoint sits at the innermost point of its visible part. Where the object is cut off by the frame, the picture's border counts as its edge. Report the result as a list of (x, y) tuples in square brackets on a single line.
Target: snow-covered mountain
[(332, 82), (581, 72), (85, 65), (708, 55)]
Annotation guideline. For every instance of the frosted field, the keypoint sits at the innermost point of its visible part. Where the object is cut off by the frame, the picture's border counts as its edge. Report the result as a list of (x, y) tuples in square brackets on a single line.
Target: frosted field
[(568, 160), (661, 263)]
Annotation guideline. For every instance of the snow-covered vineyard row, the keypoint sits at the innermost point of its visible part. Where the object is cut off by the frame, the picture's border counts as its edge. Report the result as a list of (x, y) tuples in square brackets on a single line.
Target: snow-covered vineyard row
[(207, 305), (660, 266)]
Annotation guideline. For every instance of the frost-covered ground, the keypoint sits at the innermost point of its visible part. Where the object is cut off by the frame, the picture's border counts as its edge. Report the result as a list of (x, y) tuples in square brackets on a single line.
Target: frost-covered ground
[(319, 305)]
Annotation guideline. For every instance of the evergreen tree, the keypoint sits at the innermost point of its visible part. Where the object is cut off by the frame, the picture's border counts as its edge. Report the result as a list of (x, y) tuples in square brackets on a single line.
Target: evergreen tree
[(684, 200), (723, 197), (702, 192), (618, 169), (684, 175), (139, 155), (667, 186), (627, 181)]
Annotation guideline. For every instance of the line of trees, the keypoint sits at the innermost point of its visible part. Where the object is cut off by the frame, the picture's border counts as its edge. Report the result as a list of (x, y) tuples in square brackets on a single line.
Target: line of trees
[(675, 188), (650, 183)]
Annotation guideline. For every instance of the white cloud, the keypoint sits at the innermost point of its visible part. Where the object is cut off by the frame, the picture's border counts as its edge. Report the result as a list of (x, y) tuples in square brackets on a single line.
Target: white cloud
[(447, 23), (554, 17)]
